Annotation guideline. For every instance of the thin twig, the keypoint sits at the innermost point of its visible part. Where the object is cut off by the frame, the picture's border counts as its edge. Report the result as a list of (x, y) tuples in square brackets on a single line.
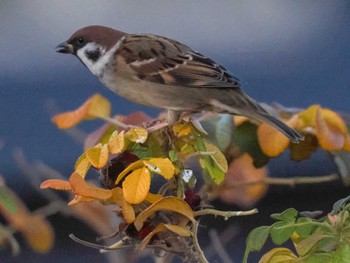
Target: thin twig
[(196, 244), (225, 214)]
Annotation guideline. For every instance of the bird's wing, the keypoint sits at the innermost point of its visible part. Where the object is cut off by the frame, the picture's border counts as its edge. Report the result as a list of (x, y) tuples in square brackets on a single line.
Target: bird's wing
[(165, 61)]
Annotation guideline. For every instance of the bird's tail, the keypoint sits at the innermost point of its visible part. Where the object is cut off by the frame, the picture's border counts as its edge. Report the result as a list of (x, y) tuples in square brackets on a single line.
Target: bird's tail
[(248, 107)]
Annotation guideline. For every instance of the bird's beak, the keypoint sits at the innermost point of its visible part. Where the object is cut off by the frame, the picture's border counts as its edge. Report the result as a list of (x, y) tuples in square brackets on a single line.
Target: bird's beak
[(65, 48)]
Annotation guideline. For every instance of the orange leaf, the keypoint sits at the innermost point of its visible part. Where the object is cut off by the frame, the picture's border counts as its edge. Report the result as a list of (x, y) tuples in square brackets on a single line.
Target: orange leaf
[(82, 165), (38, 233), (169, 203), (137, 185), (116, 142), (330, 130), (182, 129), (308, 116), (79, 199), (127, 209), (138, 135), (98, 155), (161, 166), (81, 187), (152, 198), (180, 231), (238, 186), (56, 184), (95, 106)]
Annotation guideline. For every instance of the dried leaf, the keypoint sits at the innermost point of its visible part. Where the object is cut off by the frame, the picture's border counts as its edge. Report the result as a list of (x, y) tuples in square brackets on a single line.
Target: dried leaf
[(116, 142), (98, 155), (137, 185), (161, 166), (56, 184), (168, 203), (138, 135)]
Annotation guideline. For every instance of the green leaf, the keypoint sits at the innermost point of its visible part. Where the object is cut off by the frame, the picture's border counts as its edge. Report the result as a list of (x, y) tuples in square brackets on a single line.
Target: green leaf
[(7, 201), (216, 174), (224, 131), (287, 215), (256, 240), (281, 231), (244, 136), (342, 254), (319, 258), (306, 228)]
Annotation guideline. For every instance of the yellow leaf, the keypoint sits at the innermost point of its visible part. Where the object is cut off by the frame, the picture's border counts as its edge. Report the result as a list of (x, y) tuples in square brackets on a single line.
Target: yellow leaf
[(95, 106), (136, 185), (152, 198), (56, 184), (98, 155), (133, 166), (116, 142), (180, 231), (272, 141), (308, 116), (99, 107), (218, 156), (83, 188), (138, 135), (169, 203), (182, 129), (330, 130), (82, 165), (161, 166), (38, 233), (279, 255)]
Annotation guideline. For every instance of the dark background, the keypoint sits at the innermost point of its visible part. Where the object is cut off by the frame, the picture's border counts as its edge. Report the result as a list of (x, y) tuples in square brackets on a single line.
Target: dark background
[(292, 52)]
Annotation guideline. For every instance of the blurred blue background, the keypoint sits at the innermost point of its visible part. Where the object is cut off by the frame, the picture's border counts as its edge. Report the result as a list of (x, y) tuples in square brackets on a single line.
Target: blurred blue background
[(296, 53)]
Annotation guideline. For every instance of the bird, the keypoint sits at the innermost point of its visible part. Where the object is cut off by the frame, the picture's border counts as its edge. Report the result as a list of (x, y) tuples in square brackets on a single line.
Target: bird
[(163, 73)]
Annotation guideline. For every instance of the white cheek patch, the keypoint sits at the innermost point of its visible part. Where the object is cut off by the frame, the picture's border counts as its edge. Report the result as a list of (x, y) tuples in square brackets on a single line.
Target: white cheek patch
[(97, 67)]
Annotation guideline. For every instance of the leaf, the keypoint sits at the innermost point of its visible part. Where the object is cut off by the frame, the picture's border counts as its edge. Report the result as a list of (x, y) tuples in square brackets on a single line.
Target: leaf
[(281, 231), (99, 107), (304, 149), (136, 186), (38, 233), (218, 157), (56, 184), (245, 137), (338, 205), (342, 254), (215, 173), (287, 215), (98, 155), (168, 203), (305, 245), (319, 258), (272, 141), (331, 130), (133, 166), (180, 231), (138, 135), (305, 228), (82, 165), (152, 198), (224, 131), (279, 255), (116, 142), (95, 106), (161, 166), (182, 129), (256, 240), (81, 187), (244, 184), (128, 211)]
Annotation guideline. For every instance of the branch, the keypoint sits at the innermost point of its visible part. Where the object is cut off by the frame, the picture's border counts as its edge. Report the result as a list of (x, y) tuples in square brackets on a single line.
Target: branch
[(225, 214)]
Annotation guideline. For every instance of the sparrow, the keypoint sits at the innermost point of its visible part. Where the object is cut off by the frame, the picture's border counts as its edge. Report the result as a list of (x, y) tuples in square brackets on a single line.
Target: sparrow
[(163, 73)]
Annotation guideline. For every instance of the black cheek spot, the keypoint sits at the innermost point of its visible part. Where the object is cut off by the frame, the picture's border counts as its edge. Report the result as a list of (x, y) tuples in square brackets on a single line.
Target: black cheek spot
[(93, 55)]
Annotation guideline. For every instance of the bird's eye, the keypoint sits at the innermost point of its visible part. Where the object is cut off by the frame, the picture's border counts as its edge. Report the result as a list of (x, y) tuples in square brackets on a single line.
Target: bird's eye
[(80, 41)]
